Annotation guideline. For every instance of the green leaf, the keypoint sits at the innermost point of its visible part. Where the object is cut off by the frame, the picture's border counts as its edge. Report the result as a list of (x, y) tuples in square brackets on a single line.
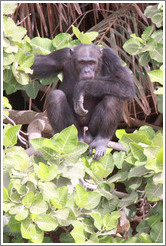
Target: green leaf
[(144, 59), (17, 161), (97, 220), (46, 222), (37, 236), (143, 227), (145, 238), (8, 58), (66, 238), (73, 172), (118, 159), (32, 89), (6, 103), (135, 137), (148, 31), (158, 36), (67, 140), (110, 221), (45, 146), (62, 195), (157, 210), (104, 166), (24, 60), (155, 159), (153, 220), (49, 190), (22, 215), (133, 184), (120, 132), (14, 224), (43, 171), (154, 192), (21, 77), (149, 130), (160, 103), (62, 40), (137, 152), (157, 53), (78, 234), (76, 31), (91, 35), (137, 38), (129, 199), (156, 233), (93, 200), (74, 156), (27, 228), (55, 203), (9, 8), (42, 46), (39, 207), (132, 46), (63, 217), (10, 135), (53, 172), (150, 10), (156, 76), (158, 178), (15, 33), (120, 176), (28, 199), (137, 172), (157, 18), (5, 195), (81, 196)]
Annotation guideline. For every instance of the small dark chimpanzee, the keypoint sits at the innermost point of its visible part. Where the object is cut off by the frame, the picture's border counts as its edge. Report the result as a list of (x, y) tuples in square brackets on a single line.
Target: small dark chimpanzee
[(94, 86)]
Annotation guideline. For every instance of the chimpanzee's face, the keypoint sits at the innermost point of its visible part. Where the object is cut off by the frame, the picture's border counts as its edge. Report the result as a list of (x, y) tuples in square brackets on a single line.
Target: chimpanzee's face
[(87, 61)]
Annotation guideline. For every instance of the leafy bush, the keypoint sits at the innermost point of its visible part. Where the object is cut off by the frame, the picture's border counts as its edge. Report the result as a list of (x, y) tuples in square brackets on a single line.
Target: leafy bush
[(43, 192), (149, 48)]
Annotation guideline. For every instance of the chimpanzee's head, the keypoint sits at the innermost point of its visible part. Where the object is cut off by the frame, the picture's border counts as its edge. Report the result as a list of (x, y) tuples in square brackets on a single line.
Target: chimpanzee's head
[(87, 60)]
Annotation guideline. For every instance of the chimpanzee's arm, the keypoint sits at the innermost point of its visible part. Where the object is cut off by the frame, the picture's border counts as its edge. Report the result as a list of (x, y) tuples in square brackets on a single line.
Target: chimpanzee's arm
[(118, 84), (50, 65)]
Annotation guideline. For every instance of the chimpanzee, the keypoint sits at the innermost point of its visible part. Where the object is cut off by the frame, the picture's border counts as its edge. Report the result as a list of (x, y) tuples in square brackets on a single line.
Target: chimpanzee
[(94, 86)]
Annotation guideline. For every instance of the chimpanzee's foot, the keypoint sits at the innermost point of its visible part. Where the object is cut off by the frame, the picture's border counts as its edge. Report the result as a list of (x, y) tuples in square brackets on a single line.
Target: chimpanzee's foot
[(100, 151), (100, 145)]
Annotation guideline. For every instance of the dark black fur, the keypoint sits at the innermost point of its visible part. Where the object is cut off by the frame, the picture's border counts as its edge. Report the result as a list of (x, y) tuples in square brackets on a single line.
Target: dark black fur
[(94, 86)]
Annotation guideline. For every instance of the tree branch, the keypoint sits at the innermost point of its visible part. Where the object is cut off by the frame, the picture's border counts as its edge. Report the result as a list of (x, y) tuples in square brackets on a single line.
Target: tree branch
[(38, 124)]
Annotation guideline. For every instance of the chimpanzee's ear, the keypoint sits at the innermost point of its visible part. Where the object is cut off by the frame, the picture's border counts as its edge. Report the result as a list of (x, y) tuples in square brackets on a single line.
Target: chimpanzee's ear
[(71, 51), (101, 51)]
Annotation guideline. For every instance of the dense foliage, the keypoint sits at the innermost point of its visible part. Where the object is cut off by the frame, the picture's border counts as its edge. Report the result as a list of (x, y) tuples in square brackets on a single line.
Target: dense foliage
[(44, 192)]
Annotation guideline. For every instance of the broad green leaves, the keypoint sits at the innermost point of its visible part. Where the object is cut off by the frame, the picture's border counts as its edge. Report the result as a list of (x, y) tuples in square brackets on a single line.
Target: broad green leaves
[(85, 38), (10, 135), (9, 8), (44, 192), (149, 48)]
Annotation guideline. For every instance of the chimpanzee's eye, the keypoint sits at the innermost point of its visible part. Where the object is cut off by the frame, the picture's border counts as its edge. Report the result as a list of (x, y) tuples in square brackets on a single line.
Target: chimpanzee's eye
[(82, 62), (92, 63)]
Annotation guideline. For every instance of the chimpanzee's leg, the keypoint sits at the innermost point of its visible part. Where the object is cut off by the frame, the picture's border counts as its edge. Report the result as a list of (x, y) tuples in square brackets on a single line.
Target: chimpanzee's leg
[(59, 112), (103, 124)]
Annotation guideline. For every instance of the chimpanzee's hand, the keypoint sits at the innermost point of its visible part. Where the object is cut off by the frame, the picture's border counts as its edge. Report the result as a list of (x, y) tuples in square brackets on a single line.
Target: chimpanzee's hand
[(79, 99)]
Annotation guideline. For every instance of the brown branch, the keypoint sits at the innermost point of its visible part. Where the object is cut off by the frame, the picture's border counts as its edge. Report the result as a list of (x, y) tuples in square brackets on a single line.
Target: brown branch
[(38, 124)]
